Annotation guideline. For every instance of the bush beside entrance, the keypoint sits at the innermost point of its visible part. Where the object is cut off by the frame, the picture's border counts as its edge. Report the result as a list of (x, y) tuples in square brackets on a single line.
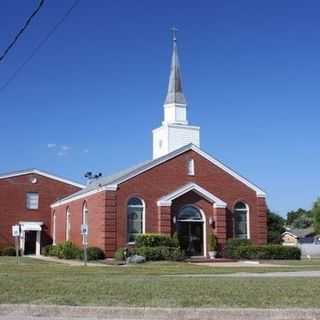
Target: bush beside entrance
[(154, 247), (244, 249)]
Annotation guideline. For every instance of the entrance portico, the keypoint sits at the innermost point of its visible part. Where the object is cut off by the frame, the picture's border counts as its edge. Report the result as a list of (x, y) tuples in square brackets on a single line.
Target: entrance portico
[(30, 238), (191, 221)]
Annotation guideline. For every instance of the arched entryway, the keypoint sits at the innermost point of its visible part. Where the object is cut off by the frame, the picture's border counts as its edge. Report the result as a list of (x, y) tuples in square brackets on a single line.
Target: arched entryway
[(191, 231)]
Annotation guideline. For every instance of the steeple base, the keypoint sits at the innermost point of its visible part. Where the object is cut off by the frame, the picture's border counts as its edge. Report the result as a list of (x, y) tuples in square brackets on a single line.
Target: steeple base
[(170, 137)]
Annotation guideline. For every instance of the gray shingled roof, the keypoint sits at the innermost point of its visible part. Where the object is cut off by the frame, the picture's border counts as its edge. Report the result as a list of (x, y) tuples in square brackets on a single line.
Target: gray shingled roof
[(175, 94), (104, 181), (301, 233)]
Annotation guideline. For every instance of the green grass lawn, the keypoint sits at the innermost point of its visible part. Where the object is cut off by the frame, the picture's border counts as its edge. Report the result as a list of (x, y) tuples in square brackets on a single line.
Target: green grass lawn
[(40, 282)]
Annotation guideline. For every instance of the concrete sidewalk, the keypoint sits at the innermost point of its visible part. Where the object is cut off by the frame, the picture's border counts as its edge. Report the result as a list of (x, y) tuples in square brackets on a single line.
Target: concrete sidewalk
[(43, 312), (281, 274), (73, 263)]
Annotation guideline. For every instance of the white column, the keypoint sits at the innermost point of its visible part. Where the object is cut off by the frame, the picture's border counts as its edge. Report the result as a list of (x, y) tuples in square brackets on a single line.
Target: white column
[(22, 242), (38, 240)]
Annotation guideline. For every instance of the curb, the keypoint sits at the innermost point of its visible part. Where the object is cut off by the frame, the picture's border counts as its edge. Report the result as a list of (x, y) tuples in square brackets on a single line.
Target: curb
[(67, 312)]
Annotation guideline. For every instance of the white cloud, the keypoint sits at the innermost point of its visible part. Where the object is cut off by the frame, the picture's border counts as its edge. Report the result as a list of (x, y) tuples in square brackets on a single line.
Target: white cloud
[(51, 145), (85, 150), (65, 148)]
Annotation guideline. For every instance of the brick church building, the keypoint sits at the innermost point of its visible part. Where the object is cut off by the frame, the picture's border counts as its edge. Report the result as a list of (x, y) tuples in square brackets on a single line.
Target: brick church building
[(182, 189), (25, 199)]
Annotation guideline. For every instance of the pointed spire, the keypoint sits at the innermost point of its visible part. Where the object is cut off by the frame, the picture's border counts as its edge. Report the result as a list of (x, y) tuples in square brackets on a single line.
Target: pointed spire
[(175, 94)]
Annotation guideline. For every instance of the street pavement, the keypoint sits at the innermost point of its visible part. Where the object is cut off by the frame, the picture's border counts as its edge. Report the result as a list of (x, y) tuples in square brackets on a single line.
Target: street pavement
[(51, 312)]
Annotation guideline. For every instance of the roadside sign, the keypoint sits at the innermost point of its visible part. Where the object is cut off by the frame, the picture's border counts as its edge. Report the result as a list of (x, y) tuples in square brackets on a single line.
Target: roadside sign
[(16, 230), (84, 232), (84, 229), (16, 235)]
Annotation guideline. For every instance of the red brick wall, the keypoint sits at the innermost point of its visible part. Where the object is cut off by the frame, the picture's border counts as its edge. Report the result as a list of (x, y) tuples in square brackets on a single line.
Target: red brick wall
[(159, 181), (169, 176), (13, 203), (99, 230)]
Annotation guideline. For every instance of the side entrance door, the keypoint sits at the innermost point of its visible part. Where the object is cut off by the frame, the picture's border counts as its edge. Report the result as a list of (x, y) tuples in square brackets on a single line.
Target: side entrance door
[(30, 242)]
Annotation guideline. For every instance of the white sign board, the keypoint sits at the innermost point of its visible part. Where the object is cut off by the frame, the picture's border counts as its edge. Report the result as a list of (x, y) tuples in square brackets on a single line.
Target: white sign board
[(16, 230), (84, 229)]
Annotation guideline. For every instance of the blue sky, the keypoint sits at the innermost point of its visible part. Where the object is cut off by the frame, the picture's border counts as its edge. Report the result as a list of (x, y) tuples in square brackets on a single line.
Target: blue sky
[(94, 92)]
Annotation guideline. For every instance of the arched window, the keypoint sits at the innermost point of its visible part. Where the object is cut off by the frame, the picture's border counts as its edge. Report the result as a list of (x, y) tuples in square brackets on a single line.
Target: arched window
[(136, 213), (191, 171), (68, 224), (54, 228), (189, 213), (241, 220), (85, 214)]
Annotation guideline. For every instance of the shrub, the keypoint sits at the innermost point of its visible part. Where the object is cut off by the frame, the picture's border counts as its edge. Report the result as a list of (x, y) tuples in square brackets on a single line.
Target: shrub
[(160, 253), (53, 251), (268, 252), (66, 250), (156, 240), (9, 251), (212, 242), (93, 253), (119, 254), (46, 250), (232, 245)]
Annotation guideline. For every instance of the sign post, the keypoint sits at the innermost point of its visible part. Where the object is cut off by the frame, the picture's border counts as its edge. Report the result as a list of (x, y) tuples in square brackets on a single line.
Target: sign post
[(16, 235), (84, 232)]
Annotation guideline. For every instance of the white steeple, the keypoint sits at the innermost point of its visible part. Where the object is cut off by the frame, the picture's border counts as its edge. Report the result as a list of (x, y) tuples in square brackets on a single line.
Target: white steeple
[(175, 131), (175, 106)]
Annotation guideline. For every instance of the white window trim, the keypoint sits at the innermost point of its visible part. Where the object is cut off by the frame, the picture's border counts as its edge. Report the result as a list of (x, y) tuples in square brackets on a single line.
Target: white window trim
[(85, 213), (54, 229), (190, 167), (247, 209), (68, 224), (143, 216), (28, 194)]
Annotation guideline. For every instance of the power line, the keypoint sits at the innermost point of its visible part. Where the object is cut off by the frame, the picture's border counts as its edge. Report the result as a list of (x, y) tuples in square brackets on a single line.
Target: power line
[(21, 30), (40, 45)]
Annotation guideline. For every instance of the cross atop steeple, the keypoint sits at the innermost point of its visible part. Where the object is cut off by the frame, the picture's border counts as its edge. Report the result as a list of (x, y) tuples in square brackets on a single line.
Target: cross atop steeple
[(174, 33)]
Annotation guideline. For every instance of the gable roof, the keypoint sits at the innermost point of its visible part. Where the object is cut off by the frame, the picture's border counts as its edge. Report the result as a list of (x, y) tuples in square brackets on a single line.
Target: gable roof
[(41, 173), (167, 199), (300, 233), (112, 182)]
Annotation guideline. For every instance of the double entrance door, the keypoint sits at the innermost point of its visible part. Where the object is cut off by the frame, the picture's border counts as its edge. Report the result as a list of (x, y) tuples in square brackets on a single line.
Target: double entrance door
[(190, 235)]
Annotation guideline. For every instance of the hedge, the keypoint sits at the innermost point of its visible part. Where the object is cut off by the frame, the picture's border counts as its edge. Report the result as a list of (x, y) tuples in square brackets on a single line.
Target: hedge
[(9, 251), (93, 253), (268, 252), (232, 245), (156, 240), (160, 253), (243, 249), (67, 250)]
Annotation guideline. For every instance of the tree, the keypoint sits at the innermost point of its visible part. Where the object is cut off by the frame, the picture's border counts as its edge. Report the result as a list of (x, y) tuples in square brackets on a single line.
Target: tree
[(276, 227), (297, 217), (316, 216)]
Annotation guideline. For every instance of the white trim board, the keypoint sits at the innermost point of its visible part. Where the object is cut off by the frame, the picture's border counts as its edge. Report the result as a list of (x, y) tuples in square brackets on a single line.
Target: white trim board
[(83, 195), (167, 199), (41, 173)]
